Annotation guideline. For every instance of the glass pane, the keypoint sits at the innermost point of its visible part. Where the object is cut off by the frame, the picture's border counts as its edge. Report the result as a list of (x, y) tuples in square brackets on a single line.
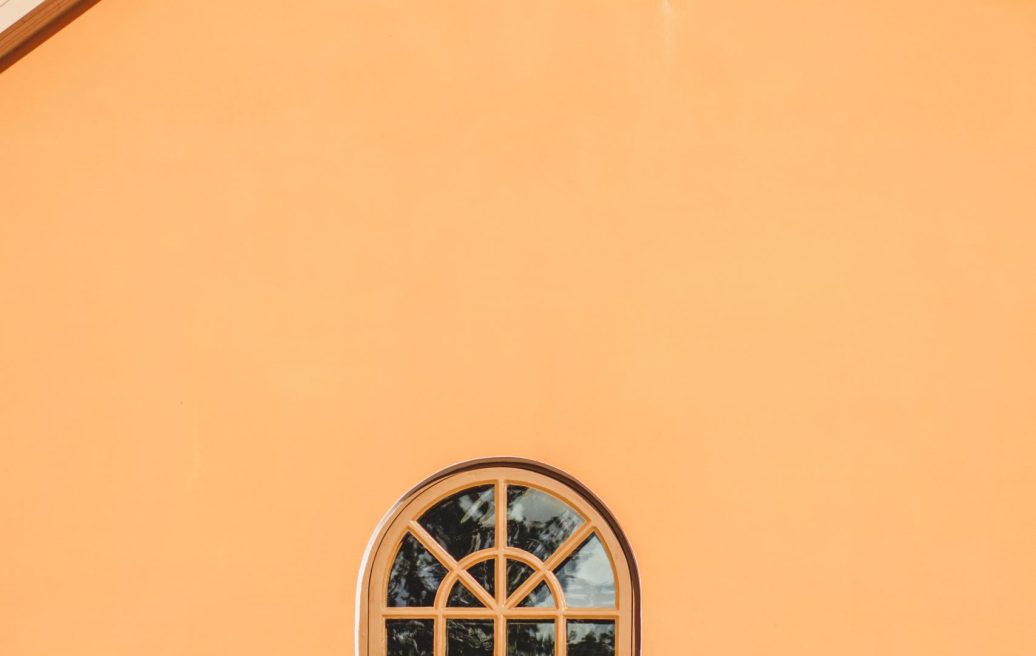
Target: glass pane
[(463, 523), (461, 597), (540, 597), (410, 637), (485, 574), (530, 639), (469, 637), (537, 522), (517, 572), (591, 638), (415, 575), (586, 577)]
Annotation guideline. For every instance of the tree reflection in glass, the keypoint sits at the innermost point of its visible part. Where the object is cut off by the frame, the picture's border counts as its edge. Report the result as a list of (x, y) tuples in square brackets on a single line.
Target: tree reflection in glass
[(537, 522), (415, 575), (586, 576), (461, 597), (530, 638), (463, 523), (485, 574), (517, 572), (410, 637), (469, 637), (591, 638), (540, 597)]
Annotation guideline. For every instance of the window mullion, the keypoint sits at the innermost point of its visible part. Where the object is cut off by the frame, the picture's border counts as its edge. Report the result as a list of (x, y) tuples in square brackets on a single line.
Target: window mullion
[(568, 546), (500, 641), (440, 634), (432, 545), (561, 636)]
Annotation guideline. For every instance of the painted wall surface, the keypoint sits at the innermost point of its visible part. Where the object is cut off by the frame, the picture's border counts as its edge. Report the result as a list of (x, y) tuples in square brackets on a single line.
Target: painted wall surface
[(759, 273)]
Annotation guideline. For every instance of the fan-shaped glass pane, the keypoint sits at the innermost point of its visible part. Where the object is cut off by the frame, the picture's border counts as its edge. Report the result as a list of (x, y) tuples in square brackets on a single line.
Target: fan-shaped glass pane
[(540, 597), (415, 575), (530, 638), (485, 574), (591, 638), (461, 597), (469, 637), (410, 637), (463, 523), (586, 576), (517, 572), (538, 522)]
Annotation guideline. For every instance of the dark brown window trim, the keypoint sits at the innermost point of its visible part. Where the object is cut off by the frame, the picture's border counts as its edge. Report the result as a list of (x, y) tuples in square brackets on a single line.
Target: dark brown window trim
[(37, 26)]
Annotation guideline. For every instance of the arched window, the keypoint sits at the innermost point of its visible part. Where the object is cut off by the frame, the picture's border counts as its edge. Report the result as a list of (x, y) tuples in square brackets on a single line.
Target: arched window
[(501, 557)]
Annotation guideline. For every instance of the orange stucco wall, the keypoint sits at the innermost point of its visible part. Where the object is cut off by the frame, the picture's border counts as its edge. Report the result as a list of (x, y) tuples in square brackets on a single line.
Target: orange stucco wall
[(759, 273)]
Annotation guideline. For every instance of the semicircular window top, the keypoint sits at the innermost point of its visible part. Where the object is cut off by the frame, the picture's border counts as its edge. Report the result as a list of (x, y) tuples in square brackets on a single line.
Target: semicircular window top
[(499, 560)]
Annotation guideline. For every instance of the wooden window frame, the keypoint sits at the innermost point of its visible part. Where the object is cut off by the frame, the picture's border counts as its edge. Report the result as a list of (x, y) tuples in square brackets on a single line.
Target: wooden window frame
[(372, 609), (36, 26)]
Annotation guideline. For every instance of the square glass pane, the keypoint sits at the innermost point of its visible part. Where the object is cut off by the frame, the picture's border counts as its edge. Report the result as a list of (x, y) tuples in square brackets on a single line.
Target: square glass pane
[(410, 637), (591, 638), (469, 637), (530, 638)]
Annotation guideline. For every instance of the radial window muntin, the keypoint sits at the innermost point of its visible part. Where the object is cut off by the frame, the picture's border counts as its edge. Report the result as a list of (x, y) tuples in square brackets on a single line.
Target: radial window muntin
[(499, 607)]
